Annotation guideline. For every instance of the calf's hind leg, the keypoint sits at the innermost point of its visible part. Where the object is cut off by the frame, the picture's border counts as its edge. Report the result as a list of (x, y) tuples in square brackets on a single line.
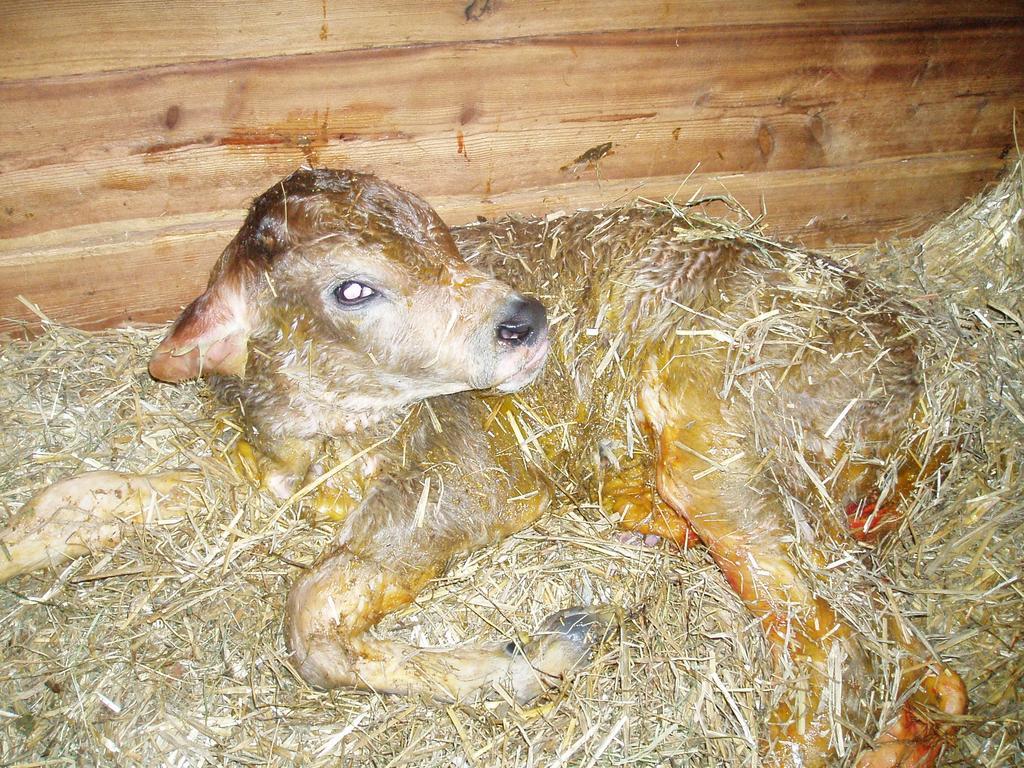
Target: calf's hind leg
[(703, 473)]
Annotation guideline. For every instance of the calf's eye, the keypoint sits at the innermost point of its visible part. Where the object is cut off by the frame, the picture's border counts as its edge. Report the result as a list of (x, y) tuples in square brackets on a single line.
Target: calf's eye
[(351, 292)]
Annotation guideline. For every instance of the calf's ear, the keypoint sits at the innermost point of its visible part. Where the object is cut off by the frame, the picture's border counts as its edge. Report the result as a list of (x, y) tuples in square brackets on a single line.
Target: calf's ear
[(210, 336)]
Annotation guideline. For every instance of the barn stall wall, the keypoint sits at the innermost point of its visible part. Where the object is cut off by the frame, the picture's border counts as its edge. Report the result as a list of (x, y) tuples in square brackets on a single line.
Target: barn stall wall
[(133, 134)]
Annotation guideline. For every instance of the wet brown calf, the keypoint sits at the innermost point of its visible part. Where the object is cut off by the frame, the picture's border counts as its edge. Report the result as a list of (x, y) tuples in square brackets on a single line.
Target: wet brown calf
[(700, 384)]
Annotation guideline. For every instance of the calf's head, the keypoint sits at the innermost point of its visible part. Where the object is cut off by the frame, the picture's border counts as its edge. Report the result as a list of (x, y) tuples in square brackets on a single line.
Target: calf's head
[(348, 291)]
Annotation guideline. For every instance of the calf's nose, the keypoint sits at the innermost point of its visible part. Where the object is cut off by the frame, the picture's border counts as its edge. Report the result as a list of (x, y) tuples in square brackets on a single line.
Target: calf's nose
[(525, 322)]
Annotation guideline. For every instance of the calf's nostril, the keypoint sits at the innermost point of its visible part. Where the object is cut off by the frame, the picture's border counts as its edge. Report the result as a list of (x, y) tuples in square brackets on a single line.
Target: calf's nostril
[(517, 333), (525, 321)]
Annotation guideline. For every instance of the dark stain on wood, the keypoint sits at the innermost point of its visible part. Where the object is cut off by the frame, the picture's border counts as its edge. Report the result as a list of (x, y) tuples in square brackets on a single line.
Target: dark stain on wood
[(305, 132), (172, 117), (477, 9), (239, 138), (765, 141), (588, 159)]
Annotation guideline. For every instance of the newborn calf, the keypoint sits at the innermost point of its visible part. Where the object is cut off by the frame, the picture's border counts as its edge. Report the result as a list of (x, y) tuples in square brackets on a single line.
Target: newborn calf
[(699, 384)]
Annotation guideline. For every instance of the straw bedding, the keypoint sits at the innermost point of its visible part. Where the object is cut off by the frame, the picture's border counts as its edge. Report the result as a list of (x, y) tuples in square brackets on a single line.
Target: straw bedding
[(168, 650)]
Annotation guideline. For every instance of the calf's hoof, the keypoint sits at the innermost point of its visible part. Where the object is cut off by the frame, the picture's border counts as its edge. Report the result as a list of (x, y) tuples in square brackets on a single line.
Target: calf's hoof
[(562, 646)]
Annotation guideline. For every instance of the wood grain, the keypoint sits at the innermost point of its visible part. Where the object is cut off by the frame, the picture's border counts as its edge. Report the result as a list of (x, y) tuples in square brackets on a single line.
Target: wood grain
[(121, 186), (48, 38), (239, 126)]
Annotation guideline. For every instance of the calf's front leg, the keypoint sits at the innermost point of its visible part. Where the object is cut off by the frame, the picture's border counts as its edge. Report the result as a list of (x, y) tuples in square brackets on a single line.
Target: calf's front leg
[(388, 549), (82, 514), (332, 608)]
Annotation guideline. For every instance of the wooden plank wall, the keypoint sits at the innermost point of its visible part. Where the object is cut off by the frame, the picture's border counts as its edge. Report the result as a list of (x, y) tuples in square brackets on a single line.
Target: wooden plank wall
[(134, 132)]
